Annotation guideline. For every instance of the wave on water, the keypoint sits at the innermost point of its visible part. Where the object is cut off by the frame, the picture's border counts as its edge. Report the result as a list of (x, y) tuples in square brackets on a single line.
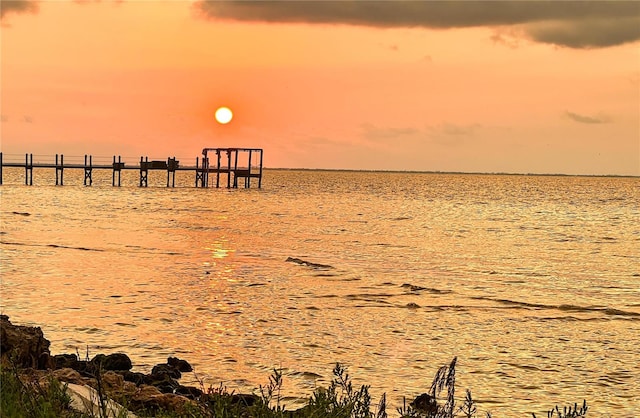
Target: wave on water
[(69, 247), (73, 248), (52, 246), (563, 307), (316, 266), (414, 288)]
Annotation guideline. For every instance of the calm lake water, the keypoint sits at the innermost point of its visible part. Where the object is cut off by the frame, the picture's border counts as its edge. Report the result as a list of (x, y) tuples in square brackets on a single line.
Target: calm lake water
[(533, 282)]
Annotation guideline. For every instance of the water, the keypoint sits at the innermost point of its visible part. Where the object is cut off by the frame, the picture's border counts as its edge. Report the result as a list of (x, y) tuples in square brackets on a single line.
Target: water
[(533, 282)]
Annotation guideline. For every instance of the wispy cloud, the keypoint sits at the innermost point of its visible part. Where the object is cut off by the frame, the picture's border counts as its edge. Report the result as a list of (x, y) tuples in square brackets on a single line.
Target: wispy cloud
[(452, 134), (448, 134), (456, 130), (17, 6), (574, 24), (375, 133), (507, 36), (587, 119)]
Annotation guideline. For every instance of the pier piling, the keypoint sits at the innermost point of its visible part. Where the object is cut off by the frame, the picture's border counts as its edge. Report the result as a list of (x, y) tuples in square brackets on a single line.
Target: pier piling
[(144, 172), (172, 166), (199, 173), (117, 168), (60, 170), (28, 170), (88, 168)]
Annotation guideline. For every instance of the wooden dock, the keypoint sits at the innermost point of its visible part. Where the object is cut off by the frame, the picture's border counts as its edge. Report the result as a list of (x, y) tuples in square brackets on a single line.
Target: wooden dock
[(233, 163)]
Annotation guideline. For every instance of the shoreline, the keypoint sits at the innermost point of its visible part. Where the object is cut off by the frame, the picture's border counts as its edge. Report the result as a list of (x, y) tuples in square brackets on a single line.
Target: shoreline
[(107, 384), (25, 350)]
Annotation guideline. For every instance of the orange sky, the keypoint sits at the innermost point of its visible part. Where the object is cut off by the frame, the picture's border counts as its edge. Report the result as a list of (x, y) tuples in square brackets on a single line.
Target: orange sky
[(319, 89)]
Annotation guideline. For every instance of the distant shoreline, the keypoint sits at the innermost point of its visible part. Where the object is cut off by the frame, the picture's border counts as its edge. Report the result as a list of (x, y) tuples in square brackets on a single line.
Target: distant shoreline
[(472, 173)]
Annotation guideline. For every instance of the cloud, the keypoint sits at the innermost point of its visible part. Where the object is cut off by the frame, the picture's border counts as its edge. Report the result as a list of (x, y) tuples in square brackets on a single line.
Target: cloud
[(31, 6), (457, 130), (587, 119), (451, 134), (573, 24), (447, 134), (508, 37), (375, 133), (588, 33), (17, 6)]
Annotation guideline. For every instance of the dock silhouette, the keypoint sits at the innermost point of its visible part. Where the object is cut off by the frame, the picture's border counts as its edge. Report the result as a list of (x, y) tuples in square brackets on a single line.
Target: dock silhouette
[(236, 164)]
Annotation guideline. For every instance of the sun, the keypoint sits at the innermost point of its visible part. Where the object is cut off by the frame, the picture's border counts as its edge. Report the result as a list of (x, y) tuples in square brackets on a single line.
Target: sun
[(224, 115)]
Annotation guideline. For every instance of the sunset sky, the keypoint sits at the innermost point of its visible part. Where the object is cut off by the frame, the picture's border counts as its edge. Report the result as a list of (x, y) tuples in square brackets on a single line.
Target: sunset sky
[(518, 87)]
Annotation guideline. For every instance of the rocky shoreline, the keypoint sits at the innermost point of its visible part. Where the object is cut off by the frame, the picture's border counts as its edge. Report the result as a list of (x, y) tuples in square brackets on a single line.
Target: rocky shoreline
[(27, 350), (109, 379)]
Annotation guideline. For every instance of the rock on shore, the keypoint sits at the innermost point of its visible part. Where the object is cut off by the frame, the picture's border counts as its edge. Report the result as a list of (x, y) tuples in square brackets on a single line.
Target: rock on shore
[(27, 349), (24, 346)]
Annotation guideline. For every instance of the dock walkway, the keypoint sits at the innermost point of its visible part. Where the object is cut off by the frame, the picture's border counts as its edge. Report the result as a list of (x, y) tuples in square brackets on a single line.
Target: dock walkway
[(234, 163)]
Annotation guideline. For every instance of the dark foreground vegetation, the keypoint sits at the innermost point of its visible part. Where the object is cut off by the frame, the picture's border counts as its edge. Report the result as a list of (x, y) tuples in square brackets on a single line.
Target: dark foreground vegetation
[(34, 384)]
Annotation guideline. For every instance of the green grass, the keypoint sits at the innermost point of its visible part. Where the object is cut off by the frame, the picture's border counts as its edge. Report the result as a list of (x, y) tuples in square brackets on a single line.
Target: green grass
[(33, 400)]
